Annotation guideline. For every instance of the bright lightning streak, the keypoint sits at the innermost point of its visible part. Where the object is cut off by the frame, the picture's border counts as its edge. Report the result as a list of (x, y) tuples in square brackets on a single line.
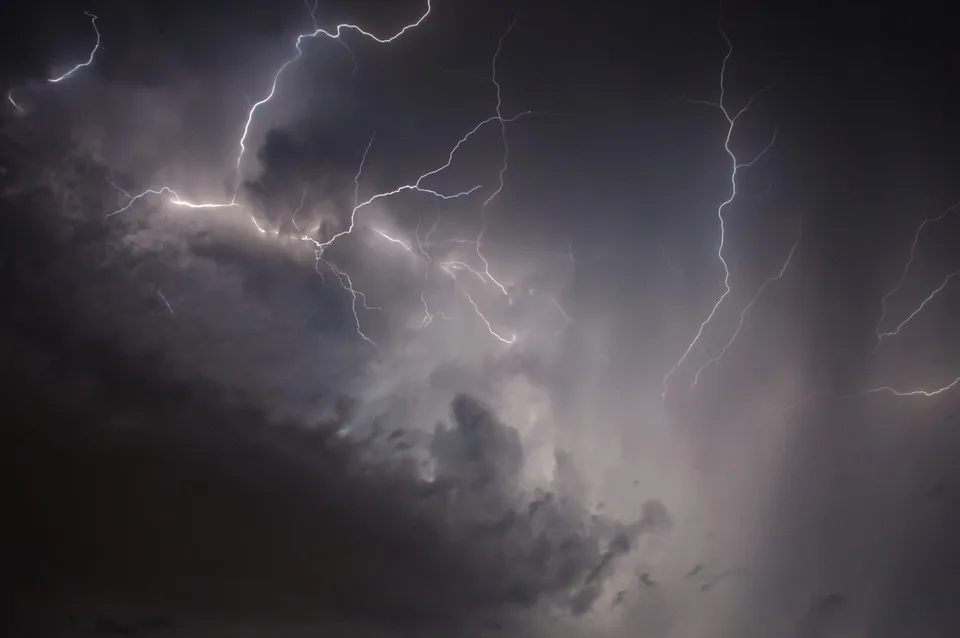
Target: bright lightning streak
[(93, 53), (167, 303), (903, 276), (746, 309), (736, 166), (450, 267), (13, 102), (335, 34), (507, 340), (906, 393), (913, 314), (393, 240), (174, 199)]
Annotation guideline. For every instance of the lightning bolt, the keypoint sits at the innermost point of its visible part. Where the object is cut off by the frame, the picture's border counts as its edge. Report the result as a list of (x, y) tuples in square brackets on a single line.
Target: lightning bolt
[(906, 393), (166, 303), (305, 237), (882, 335), (174, 199), (13, 102), (418, 185), (903, 276), (335, 34), (484, 275), (93, 53), (451, 268), (393, 240), (736, 166), (743, 313), (936, 291), (347, 284), (343, 278), (507, 340)]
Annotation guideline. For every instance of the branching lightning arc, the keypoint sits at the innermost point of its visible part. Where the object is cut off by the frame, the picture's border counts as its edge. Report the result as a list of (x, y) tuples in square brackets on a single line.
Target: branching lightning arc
[(746, 309), (883, 335), (418, 185), (419, 246), (736, 166)]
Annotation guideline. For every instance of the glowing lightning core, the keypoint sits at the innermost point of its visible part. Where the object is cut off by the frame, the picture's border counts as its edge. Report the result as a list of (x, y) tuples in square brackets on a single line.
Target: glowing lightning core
[(93, 53), (736, 166)]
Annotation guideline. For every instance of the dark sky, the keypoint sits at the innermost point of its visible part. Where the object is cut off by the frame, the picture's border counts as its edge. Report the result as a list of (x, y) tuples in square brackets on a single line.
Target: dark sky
[(231, 419)]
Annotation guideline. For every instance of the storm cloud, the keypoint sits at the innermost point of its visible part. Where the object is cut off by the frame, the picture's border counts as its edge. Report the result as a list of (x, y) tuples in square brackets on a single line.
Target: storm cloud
[(482, 411)]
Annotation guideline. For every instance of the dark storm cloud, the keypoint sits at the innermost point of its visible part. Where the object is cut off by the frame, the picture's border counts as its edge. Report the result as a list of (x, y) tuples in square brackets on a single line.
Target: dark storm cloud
[(237, 314), (313, 168), (226, 516)]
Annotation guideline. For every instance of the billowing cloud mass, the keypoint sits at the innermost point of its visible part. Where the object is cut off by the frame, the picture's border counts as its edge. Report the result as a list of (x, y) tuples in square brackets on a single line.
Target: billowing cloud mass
[(512, 325)]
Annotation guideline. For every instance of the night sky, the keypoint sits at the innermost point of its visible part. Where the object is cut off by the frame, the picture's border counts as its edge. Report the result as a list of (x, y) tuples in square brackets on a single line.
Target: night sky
[(667, 347)]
